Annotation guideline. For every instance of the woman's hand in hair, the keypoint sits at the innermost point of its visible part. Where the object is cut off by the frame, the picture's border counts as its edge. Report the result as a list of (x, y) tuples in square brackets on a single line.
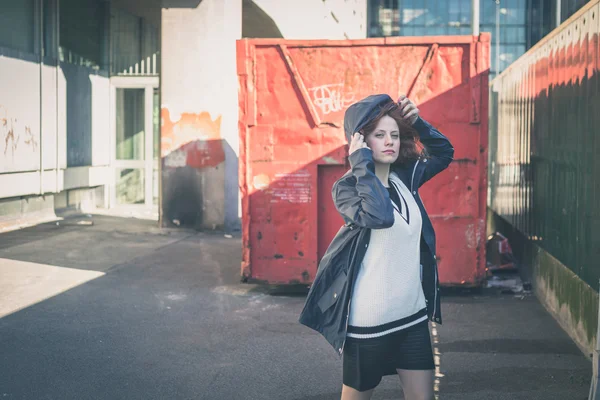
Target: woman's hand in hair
[(410, 112), (358, 142)]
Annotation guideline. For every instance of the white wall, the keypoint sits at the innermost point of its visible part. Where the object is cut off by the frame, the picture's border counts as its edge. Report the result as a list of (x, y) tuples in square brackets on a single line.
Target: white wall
[(59, 116), (19, 115), (198, 78), (100, 105), (198, 60), (49, 119), (318, 19), (34, 117)]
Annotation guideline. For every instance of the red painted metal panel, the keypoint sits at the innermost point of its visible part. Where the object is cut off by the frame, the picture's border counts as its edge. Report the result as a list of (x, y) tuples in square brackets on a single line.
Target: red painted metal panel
[(292, 99), (329, 222)]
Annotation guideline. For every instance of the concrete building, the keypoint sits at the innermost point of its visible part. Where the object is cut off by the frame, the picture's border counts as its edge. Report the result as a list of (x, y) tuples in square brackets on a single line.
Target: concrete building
[(131, 105), (78, 106), (515, 25)]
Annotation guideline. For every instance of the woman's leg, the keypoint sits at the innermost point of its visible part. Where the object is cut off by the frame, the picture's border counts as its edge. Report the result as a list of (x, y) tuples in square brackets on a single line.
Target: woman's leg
[(417, 384), (349, 393)]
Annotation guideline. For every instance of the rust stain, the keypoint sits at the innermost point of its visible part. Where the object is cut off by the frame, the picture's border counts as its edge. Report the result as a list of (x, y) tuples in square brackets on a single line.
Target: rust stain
[(474, 108), (305, 276), (197, 135)]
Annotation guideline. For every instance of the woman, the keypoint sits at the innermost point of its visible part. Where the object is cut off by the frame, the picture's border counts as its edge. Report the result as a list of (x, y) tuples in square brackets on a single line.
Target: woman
[(377, 284)]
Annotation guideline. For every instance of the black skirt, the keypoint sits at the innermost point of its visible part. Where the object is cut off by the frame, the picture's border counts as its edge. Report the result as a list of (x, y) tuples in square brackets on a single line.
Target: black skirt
[(366, 361)]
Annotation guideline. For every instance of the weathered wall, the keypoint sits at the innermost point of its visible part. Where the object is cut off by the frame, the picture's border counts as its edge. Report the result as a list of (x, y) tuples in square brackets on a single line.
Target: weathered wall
[(55, 116), (19, 113), (317, 19), (199, 136), (570, 300), (573, 302), (49, 117), (543, 183)]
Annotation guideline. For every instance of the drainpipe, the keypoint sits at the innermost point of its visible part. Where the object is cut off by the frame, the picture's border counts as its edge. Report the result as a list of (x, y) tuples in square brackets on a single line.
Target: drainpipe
[(475, 17)]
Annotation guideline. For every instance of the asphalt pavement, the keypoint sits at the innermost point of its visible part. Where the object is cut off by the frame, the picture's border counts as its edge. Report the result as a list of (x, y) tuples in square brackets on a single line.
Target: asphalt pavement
[(112, 308)]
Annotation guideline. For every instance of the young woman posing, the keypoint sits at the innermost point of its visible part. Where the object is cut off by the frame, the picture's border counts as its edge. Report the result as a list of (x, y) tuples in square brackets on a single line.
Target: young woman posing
[(377, 285)]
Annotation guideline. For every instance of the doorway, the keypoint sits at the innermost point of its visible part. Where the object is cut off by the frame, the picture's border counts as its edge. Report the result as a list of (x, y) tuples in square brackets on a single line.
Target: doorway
[(135, 145)]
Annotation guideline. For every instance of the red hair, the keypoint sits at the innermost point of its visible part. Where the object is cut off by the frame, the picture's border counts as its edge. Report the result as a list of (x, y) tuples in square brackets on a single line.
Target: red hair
[(411, 148)]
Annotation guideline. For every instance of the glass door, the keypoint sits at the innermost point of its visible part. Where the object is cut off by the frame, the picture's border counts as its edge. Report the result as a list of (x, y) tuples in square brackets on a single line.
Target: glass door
[(135, 126)]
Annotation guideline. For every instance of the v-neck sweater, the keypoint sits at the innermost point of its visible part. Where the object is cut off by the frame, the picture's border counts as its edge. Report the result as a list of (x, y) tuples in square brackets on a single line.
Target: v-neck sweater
[(388, 296)]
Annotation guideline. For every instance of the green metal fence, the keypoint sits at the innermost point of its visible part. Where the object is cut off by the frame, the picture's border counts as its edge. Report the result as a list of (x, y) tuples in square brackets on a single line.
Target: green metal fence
[(544, 167)]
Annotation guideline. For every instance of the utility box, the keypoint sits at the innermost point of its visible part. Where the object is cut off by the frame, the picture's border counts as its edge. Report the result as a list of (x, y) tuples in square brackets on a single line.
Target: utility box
[(292, 99)]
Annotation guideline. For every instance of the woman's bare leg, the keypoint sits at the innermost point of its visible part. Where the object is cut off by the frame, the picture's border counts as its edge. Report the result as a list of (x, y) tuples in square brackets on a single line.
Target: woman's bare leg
[(417, 384), (349, 393)]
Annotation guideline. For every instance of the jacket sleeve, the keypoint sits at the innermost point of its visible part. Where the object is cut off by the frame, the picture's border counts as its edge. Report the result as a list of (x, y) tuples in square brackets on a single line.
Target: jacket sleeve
[(363, 201), (441, 152)]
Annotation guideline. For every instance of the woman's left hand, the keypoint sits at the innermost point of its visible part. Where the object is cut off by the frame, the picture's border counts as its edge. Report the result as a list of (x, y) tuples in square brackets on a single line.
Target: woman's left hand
[(409, 110)]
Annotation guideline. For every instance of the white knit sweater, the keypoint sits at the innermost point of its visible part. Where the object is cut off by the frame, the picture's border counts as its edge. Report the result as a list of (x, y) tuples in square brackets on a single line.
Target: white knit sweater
[(388, 295)]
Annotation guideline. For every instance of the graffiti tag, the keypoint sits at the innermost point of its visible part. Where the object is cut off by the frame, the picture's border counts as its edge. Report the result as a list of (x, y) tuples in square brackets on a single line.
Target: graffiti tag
[(7, 124), (331, 98), (8, 127)]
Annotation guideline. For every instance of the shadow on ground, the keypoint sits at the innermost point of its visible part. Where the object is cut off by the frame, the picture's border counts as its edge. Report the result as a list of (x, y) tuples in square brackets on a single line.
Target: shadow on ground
[(170, 319)]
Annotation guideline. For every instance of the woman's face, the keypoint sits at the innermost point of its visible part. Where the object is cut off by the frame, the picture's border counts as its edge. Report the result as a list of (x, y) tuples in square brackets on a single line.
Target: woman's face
[(384, 141)]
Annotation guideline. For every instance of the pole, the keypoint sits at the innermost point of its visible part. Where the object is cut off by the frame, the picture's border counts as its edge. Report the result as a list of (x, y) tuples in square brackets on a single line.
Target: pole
[(594, 392), (41, 27), (497, 38), (558, 13), (475, 17)]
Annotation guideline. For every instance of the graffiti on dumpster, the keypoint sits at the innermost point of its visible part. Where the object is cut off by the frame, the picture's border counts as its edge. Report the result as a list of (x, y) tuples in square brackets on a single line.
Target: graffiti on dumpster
[(294, 187), (331, 98)]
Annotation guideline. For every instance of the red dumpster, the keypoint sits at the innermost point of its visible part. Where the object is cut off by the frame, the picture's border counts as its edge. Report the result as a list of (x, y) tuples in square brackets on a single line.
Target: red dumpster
[(292, 98)]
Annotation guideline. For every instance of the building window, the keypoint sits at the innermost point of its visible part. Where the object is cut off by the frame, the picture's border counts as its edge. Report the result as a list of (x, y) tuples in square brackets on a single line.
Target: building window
[(17, 25), (520, 23), (570, 7), (135, 44), (419, 17), (506, 20), (83, 34)]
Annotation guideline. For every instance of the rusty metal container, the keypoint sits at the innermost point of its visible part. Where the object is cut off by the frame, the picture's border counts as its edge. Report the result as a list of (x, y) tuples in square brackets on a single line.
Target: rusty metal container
[(292, 98)]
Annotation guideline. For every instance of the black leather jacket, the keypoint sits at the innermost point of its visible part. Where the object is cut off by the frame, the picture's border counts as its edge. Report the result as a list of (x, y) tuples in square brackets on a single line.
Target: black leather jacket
[(364, 203)]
